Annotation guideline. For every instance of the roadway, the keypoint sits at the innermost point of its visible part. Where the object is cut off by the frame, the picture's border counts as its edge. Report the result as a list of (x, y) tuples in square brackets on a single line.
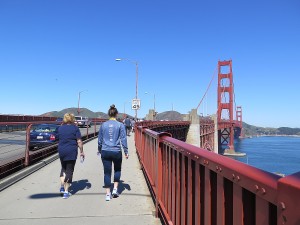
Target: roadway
[(35, 200), (13, 144)]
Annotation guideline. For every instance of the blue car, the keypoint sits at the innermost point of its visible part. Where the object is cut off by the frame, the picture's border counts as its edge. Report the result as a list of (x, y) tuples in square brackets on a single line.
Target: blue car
[(43, 135), (59, 119)]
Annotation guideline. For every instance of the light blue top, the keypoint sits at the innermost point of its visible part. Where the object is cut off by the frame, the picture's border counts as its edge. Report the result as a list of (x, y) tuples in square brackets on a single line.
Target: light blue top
[(111, 134)]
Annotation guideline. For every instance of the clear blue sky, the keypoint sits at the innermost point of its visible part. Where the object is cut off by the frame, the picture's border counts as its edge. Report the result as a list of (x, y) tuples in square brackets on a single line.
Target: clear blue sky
[(50, 50)]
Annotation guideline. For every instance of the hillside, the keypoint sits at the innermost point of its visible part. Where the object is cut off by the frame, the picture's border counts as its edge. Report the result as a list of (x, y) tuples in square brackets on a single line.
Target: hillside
[(169, 115), (83, 112), (253, 130), (249, 130)]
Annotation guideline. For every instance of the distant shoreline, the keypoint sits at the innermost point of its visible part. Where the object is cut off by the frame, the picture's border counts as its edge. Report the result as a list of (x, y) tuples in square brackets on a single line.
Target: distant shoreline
[(273, 135)]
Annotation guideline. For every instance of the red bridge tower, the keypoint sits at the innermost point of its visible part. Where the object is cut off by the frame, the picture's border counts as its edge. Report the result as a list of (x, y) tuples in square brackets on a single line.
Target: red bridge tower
[(226, 122)]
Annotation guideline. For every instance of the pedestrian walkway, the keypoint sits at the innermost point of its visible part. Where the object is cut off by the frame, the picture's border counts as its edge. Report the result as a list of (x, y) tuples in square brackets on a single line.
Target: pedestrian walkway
[(35, 200)]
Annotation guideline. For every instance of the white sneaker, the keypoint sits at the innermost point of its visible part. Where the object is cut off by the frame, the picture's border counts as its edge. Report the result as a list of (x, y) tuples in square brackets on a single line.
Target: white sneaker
[(108, 197), (115, 193)]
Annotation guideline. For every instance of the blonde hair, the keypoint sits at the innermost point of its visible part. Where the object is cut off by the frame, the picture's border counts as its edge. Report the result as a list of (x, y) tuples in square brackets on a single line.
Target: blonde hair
[(69, 118)]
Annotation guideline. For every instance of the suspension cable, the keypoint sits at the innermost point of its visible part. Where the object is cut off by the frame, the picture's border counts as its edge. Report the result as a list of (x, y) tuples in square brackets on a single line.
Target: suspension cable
[(214, 74)]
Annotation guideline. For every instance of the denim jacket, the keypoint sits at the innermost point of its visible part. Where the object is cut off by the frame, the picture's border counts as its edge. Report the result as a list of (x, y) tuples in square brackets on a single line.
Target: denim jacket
[(111, 134)]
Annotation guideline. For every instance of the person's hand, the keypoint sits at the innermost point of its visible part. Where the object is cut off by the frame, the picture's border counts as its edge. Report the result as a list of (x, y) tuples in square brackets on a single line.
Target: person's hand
[(126, 156), (82, 154)]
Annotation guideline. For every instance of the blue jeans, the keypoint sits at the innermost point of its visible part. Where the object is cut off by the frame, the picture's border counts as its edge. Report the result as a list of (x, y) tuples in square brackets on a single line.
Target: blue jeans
[(109, 157)]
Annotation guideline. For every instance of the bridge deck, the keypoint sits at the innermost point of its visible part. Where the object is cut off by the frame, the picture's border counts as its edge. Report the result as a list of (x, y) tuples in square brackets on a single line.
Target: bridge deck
[(35, 199)]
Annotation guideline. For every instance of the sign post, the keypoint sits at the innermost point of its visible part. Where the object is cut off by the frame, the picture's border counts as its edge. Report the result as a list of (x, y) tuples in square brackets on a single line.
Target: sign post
[(136, 104)]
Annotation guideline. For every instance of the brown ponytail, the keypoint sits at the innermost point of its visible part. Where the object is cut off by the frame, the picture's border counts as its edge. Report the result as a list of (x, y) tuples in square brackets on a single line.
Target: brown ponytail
[(112, 112)]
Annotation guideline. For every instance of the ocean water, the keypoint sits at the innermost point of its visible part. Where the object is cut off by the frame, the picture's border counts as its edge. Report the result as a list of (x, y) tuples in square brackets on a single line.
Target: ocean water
[(275, 154)]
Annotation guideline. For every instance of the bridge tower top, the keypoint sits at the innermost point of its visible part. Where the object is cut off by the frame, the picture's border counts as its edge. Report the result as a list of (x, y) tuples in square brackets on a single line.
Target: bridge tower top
[(225, 91)]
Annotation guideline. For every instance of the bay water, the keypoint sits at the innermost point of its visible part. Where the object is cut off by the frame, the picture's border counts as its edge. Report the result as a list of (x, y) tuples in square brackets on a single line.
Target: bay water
[(275, 154)]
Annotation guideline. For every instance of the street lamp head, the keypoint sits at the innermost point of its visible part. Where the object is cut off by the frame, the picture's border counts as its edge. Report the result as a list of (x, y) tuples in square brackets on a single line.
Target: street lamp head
[(82, 91), (136, 79)]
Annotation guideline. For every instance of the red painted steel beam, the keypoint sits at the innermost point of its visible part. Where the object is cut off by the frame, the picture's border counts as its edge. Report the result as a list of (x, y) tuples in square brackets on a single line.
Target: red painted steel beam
[(178, 189), (237, 205), (225, 104), (25, 118), (255, 180), (288, 200), (27, 144), (262, 211), (233, 192)]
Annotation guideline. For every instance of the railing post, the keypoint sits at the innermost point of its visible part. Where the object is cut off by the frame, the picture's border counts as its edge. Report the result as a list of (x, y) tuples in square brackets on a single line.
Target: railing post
[(87, 132), (27, 144), (95, 128), (288, 200), (159, 170), (140, 145)]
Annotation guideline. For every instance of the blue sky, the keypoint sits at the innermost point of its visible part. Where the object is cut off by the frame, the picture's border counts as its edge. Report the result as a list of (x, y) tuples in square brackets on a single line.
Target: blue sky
[(51, 50)]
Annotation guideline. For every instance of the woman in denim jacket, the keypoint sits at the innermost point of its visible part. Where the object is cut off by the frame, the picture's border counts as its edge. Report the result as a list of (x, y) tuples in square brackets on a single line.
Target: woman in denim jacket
[(112, 140)]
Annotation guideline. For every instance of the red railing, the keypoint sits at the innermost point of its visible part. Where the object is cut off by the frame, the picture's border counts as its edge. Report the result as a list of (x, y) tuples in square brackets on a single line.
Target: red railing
[(191, 185), (25, 118), (16, 157)]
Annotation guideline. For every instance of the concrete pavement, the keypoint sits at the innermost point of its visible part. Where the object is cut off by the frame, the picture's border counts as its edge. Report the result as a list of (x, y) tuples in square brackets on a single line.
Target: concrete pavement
[(35, 200)]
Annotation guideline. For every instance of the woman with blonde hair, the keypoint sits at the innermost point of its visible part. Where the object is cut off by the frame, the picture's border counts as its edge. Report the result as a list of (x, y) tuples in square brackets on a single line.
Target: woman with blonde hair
[(69, 140)]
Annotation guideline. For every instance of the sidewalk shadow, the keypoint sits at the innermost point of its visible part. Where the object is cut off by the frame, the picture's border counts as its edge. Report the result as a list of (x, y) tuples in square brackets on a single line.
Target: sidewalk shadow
[(74, 188), (45, 195), (79, 186), (123, 186)]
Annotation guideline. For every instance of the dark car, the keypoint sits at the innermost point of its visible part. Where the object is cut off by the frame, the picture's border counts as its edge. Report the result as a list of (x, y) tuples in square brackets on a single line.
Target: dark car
[(59, 119), (43, 135)]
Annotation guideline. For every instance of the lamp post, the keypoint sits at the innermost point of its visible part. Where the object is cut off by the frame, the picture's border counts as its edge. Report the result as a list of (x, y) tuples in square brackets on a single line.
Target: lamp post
[(124, 116), (153, 101), (78, 109), (136, 80), (124, 111)]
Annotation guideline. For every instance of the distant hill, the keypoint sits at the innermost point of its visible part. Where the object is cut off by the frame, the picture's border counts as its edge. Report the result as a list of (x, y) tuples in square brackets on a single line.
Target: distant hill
[(83, 111), (253, 130), (249, 130), (169, 115)]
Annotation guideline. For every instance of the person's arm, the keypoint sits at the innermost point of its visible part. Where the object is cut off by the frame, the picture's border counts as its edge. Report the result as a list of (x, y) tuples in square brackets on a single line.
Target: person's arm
[(100, 139), (80, 145), (79, 142), (123, 138)]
